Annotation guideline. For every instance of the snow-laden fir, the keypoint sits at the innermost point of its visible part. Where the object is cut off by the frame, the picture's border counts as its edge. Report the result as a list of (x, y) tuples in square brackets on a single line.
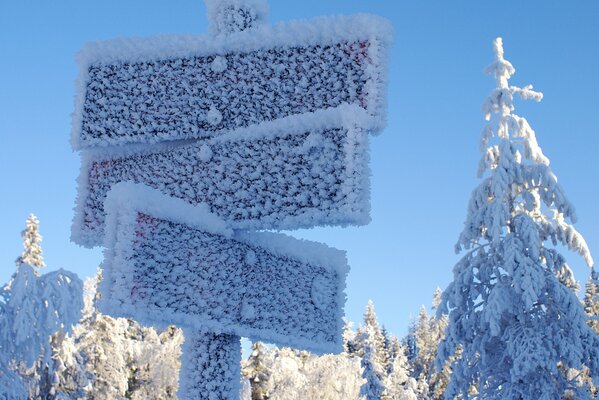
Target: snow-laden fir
[(32, 308), (516, 323)]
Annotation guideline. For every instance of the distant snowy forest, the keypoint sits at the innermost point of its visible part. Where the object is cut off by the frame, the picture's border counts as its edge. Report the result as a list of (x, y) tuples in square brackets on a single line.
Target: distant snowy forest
[(104, 358)]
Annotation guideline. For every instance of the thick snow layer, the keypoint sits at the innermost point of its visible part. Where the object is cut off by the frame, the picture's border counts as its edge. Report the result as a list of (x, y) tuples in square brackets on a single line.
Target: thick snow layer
[(264, 286), (181, 87), (150, 201), (298, 172), (210, 366)]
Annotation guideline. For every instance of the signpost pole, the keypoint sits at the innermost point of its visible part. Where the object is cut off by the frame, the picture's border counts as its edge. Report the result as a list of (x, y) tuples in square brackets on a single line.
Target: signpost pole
[(210, 366)]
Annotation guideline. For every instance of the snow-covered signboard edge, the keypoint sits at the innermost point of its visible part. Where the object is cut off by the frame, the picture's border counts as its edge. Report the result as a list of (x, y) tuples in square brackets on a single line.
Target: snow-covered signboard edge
[(127, 201), (127, 57), (350, 206)]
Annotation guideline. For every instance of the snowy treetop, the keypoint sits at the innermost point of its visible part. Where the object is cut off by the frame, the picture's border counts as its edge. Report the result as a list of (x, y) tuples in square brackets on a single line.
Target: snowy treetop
[(515, 323), (32, 250), (519, 179)]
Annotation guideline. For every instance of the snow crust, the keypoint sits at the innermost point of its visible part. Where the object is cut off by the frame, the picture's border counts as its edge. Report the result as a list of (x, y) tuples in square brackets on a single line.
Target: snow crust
[(159, 272), (164, 88), (300, 171)]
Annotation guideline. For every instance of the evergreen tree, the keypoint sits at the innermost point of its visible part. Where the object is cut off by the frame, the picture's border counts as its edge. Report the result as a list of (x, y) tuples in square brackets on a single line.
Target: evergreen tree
[(331, 377), (398, 383), (591, 300), (34, 308), (513, 319), (426, 334), (349, 339), (373, 373), (32, 249), (258, 370), (378, 339)]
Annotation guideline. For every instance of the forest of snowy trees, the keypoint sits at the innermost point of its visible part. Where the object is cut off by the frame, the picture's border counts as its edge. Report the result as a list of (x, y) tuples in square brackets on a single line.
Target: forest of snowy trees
[(104, 358)]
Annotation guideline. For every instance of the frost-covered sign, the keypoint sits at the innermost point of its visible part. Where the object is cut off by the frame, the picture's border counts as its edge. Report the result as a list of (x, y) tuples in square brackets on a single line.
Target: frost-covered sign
[(183, 87), (168, 262), (187, 142), (297, 172)]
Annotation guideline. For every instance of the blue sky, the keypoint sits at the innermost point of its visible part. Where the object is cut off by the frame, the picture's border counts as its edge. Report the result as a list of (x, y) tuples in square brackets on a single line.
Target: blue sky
[(423, 165)]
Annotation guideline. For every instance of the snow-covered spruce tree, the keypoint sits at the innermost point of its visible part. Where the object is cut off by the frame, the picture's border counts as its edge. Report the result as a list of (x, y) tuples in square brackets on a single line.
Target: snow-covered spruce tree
[(591, 300), (32, 249), (398, 383), (332, 377), (349, 339), (425, 336), (372, 371), (378, 339), (257, 369), (508, 311), (34, 308)]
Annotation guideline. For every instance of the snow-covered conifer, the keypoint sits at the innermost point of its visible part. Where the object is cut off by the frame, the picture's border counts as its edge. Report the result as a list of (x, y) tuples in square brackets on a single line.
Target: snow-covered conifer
[(508, 311), (591, 300), (332, 377), (378, 339), (349, 338), (32, 249), (258, 368), (287, 379), (426, 334), (33, 309), (398, 383), (373, 372)]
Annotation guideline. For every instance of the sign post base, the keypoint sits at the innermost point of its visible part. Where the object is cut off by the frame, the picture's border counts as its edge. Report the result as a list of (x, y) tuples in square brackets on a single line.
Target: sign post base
[(210, 366)]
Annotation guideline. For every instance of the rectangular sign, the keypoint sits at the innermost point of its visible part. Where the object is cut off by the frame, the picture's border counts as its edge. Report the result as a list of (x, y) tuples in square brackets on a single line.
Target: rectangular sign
[(167, 262), (182, 87), (295, 173)]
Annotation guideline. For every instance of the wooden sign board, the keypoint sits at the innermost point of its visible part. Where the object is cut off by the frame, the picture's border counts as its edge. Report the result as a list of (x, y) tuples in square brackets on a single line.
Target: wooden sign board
[(184, 87), (167, 262), (285, 175)]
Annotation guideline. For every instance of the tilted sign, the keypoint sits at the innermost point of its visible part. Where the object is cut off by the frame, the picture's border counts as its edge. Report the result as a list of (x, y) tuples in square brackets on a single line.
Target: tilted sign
[(171, 263), (182, 87), (293, 173)]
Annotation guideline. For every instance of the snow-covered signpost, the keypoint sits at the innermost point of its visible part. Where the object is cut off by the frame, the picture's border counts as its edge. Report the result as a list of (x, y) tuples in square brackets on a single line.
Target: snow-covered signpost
[(252, 127)]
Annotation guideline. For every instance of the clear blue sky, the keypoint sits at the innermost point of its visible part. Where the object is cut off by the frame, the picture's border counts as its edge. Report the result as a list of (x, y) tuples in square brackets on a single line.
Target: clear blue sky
[(423, 165)]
